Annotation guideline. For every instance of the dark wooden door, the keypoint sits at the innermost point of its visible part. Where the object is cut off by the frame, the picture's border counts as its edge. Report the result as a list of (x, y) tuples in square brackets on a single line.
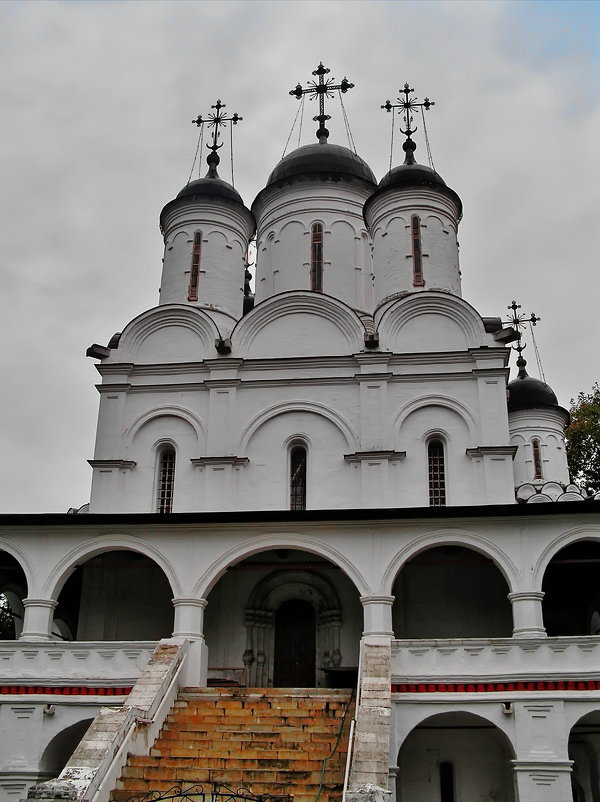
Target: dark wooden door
[(295, 645)]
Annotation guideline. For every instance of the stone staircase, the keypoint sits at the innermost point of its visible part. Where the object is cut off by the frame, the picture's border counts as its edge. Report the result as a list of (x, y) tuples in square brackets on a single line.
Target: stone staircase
[(266, 740)]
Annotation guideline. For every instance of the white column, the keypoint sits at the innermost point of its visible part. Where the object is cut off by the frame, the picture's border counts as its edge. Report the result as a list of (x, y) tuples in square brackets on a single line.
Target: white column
[(528, 620), (189, 624), (37, 620), (377, 615)]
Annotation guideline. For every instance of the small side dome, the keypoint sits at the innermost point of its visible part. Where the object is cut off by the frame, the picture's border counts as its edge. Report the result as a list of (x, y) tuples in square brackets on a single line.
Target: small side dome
[(321, 158), (530, 393), (210, 188), (412, 174), (525, 392)]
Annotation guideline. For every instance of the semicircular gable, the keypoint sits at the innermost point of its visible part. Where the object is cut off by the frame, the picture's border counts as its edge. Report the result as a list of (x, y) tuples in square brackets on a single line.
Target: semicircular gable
[(286, 407), (425, 402), (298, 324), (169, 333), (428, 322), (180, 413)]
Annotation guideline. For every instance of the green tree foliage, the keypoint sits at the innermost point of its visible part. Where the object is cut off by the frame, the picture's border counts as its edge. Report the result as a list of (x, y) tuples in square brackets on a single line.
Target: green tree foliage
[(583, 439), (7, 622)]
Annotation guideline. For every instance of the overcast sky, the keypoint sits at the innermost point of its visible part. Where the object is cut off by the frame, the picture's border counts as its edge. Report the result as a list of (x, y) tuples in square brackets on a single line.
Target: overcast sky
[(97, 100)]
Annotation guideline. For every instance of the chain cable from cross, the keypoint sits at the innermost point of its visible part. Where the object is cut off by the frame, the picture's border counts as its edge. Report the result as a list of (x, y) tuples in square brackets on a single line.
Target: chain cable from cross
[(216, 120), (321, 88)]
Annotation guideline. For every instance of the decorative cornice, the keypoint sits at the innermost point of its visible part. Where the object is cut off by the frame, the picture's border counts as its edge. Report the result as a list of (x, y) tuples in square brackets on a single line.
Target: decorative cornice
[(455, 686), (201, 462), (499, 451), (363, 456), (121, 464)]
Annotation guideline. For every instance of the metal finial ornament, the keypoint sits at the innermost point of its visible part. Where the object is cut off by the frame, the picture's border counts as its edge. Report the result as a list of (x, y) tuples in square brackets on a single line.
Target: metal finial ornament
[(216, 120), (321, 89), (519, 320), (408, 104)]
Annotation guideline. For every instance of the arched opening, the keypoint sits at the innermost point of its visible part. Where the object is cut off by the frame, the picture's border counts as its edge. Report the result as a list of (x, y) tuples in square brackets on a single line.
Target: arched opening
[(117, 595), (283, 618), (455, 756), (571, 604), (13, 589), (316, 257), (451, 592), (56, 755), (584, 751)]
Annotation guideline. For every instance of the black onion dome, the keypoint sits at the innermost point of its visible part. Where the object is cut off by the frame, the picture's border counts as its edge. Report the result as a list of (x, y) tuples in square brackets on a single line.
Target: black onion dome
[(204, 189), (530, 393), (210, 188), (411, 174), (323, 159), (525, 392)]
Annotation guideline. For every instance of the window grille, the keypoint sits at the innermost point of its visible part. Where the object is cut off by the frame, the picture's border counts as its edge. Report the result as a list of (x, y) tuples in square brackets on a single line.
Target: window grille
[(437, 474), (298, 478), (316, 257), (415, 229), (536, 449), (195, 268), (166, 480)]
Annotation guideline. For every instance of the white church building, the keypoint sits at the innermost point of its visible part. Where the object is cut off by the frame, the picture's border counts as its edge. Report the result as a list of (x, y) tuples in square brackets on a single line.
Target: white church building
[(325, 483)]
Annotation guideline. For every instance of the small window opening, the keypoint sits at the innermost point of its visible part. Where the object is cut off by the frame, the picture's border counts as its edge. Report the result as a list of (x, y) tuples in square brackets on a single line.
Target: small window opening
[(316, 258), (166, 479), (437, 474), (195, 268), (446, 782), (298, 478), (415, 229), (536, 448)]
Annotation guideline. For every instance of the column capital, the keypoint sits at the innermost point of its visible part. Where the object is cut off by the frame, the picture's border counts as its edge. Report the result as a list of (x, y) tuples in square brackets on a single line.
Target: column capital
[(526, 595), (50, 604), (377, 600), (189, 601)]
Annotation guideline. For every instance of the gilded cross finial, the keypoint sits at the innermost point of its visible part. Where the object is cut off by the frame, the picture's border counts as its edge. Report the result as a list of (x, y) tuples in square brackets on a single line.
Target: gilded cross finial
[(216, 120), (321, 88), (408, 104)]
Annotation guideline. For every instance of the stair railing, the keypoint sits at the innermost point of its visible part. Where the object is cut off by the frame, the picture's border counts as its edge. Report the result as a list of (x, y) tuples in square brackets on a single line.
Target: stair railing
[(353, 725)]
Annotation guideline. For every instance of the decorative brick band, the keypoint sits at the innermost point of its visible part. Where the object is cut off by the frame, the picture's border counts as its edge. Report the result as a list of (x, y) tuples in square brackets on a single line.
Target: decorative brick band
[(495, 687), (63, 691)]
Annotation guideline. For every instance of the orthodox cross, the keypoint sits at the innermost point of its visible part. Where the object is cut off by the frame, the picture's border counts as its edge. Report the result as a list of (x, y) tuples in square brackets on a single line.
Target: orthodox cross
[(519, 320), (408, 104), (321, 89), (216, 120)]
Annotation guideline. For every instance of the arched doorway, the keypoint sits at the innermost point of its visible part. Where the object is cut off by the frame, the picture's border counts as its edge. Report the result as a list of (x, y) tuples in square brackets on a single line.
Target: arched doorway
[(284, 618), (584, 751), (117, 595), (451, 592), (455, 756), (571, 604), (294, 653)]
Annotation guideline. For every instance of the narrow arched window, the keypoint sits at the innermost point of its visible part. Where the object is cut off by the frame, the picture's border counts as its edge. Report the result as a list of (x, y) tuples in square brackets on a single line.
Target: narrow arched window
[(415, 235), (446, 781), (437, 473), (536, 449), (195, 267), (298, 477), (166, 479), (316, 257)]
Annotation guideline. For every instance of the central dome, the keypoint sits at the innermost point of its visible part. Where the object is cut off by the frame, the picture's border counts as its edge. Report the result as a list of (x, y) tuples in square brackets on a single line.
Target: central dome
[(323, 159)]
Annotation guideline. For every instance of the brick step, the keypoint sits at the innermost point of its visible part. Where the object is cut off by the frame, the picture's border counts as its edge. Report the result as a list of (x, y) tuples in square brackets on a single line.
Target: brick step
[(270, 741)]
